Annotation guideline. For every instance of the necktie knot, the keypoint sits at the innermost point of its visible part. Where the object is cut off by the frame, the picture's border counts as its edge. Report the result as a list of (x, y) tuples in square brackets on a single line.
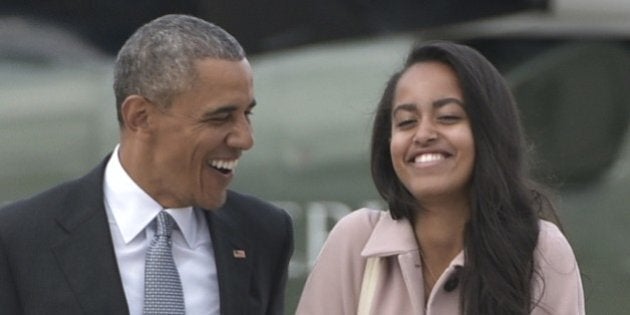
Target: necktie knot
[(165, 224)]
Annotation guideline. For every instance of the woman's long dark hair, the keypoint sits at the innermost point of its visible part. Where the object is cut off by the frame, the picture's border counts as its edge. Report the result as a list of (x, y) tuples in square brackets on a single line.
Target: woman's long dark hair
[(502, 232)]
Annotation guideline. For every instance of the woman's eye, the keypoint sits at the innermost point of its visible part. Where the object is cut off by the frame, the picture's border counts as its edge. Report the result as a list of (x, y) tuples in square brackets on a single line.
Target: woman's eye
[(449, 118), (405, 123)]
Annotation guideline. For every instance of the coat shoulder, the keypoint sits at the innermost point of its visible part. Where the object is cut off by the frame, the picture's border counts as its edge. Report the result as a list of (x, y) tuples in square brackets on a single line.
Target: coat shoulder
[(553, 250), (557, 282), (355, 228), (39, 207), (58, 202), (248, 203), (251, 210), (255, 218)]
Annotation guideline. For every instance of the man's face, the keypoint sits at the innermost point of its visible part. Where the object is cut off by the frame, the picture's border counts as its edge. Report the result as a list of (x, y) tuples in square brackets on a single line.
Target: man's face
[(198, 139)]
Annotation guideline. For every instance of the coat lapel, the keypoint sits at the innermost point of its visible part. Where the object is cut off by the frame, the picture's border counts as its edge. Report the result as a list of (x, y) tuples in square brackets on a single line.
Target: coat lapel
[(395, 239), (86, 255), (234, 266)]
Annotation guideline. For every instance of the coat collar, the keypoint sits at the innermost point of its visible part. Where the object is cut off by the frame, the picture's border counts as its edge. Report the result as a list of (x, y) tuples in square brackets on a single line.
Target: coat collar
[(395, 237), (390, 237), (395, 240)]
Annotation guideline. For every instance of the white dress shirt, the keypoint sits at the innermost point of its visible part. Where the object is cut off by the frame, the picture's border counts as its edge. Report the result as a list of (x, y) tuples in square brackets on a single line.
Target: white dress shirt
[(129, 212)]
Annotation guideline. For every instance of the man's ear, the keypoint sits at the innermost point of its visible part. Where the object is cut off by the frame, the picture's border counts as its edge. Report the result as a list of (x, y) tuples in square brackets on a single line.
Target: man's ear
[(135, 112)]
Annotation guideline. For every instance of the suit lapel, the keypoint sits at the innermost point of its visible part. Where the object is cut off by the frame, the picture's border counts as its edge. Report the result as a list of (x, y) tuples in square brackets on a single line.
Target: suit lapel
[(87, 255), (232, 255)]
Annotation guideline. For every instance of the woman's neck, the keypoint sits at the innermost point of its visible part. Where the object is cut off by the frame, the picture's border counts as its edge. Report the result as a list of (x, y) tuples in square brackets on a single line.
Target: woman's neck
[(440, 237), (439, 227), (439, 231)]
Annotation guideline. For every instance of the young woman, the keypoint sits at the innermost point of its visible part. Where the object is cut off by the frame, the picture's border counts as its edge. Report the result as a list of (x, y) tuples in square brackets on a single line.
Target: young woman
[(463, 233)]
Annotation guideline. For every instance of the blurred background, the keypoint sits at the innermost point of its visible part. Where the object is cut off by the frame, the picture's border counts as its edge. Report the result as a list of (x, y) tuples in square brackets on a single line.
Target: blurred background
[(320, 67)]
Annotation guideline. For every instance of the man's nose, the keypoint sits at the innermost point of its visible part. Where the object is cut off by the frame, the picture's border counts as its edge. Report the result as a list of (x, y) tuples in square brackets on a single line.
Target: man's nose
[(242, 135)]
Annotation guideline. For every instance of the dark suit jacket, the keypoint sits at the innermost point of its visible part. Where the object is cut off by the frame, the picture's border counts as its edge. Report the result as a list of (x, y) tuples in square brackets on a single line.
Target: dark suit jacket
[(57, 257)]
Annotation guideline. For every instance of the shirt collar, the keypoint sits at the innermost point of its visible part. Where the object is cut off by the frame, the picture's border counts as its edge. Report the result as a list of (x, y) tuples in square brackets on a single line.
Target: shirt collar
[(187, 224), (133, 209)]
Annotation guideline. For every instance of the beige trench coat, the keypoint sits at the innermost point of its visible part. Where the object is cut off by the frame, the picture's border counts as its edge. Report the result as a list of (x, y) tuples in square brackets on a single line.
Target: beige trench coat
[(333, 287)]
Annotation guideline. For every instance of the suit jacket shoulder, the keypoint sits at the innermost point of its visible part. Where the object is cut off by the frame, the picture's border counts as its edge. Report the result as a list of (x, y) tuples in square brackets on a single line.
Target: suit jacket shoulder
[(257, 220), (56, 254), (52, 203)]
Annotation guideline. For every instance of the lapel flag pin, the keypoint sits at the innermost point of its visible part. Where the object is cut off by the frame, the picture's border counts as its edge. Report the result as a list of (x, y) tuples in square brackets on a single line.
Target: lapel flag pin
[(239, 253)]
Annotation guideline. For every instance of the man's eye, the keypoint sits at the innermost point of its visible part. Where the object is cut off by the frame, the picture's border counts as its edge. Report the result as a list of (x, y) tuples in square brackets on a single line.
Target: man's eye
[(218, 118)]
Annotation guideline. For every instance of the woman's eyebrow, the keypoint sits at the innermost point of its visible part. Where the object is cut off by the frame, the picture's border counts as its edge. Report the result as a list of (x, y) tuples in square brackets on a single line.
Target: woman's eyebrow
[(444, 101), (408, 107)]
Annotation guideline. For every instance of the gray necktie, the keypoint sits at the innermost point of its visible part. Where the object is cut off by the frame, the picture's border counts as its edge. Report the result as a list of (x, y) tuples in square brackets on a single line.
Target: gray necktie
[(163, 292)]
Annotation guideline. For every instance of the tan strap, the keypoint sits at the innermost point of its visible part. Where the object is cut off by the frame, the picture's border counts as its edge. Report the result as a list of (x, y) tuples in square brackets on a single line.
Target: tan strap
[(370, 279), (368, 285)]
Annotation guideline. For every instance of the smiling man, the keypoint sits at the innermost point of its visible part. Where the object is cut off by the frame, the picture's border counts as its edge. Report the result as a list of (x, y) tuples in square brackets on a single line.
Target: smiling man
[(154, 229)]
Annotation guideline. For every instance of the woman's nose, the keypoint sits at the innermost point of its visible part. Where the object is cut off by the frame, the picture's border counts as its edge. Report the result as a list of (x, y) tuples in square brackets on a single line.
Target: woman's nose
[(426, 132)]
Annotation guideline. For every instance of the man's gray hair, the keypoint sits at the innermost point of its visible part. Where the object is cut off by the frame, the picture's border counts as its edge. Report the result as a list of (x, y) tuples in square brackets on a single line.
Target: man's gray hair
[(157, 61)]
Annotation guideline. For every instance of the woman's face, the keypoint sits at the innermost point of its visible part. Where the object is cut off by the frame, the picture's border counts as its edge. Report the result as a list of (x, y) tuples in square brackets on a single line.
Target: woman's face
[(432, 146)]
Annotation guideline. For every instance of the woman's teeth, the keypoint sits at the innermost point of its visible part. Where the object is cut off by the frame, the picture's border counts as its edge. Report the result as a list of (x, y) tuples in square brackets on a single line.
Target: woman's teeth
[(428, 157)]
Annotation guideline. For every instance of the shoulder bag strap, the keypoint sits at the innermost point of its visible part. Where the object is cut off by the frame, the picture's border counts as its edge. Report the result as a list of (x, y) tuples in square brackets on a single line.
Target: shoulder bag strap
[(368, 285), (370, 279)]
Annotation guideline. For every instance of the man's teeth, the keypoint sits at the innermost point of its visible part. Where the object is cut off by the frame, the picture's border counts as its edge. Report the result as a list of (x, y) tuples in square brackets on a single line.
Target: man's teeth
[(429, 157), (224, 164)]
